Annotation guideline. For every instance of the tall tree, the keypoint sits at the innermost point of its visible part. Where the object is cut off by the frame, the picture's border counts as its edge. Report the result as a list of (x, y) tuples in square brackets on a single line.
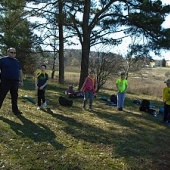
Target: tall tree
[(15, 32), (61, 42), (53, 12), (101, 19)]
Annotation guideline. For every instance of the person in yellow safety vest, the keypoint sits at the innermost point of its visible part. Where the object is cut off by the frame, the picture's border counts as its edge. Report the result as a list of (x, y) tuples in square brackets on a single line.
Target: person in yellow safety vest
[(121, 84)]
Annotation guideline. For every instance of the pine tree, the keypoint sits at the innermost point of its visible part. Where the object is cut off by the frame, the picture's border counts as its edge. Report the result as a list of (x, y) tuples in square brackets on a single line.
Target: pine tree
[(15, 32)]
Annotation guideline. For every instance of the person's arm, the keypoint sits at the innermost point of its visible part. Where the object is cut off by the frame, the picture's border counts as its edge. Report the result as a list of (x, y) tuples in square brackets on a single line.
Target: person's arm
[(126, 86), (46, 82), (164, 98), (21, 77), (36, 81), (44, 85), (83, 85)]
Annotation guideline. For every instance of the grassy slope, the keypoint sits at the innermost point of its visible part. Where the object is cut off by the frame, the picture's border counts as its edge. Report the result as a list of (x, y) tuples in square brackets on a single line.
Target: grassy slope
[(62, 138)]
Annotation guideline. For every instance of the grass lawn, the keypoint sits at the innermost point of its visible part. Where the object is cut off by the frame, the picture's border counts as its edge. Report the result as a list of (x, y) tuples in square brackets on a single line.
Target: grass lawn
[(68, 138)]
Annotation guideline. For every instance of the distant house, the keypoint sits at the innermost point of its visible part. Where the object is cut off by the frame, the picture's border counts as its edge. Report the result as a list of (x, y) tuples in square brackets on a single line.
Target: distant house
[(152, 64), (158, 63), (167, 63)]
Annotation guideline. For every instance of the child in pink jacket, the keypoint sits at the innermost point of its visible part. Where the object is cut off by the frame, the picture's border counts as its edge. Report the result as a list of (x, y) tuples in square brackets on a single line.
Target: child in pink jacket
[(88, 89)]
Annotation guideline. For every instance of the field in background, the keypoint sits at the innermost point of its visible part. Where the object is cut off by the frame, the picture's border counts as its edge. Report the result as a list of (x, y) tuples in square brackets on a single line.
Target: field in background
[(148, 81)]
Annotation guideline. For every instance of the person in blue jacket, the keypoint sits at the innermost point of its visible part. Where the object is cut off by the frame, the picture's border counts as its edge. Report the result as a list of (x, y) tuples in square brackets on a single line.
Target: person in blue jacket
[(11, 77)]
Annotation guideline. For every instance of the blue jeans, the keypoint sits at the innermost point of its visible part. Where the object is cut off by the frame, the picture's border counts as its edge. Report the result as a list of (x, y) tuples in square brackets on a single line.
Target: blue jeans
[(120, 99), (88, 94)]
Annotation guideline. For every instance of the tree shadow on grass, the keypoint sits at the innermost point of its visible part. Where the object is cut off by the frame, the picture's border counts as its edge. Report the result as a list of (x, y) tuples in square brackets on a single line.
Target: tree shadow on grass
[(129, 139), (94, 134), (122, 118), (81, 131), (143, 134), (36, 132)]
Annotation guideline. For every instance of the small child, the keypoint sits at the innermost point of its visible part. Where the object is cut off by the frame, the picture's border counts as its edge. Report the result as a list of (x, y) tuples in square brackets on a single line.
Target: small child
[(121, 84), (88, 89), (166, 100), (40, 85)]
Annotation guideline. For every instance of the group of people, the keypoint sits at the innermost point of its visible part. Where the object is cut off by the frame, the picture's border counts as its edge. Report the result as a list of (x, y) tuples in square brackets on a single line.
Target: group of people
[(12, 77), (89, 89)]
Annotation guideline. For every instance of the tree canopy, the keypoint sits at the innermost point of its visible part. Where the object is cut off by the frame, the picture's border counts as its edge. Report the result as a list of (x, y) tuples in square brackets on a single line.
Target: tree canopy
[(15, 31), (106, 22)]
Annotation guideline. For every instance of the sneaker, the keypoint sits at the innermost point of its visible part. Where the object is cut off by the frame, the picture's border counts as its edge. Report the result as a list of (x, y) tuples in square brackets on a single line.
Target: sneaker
[(90, 108), (38, 108), (17, 112), (83, 108), (45, 104), (120, 109)]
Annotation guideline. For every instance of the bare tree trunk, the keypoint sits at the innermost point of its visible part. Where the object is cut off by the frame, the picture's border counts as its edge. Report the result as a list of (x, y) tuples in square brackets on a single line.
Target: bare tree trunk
[(85, 43), (53, 68), (84, 64), (61, 44)]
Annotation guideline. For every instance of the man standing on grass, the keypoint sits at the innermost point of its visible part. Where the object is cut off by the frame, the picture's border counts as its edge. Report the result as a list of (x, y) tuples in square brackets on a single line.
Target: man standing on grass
[(11, 77), (121, 84)]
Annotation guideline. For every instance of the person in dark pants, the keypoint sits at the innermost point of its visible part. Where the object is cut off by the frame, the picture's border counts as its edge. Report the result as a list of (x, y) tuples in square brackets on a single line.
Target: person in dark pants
[(166, 100), (11, 77), (40, 85)]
